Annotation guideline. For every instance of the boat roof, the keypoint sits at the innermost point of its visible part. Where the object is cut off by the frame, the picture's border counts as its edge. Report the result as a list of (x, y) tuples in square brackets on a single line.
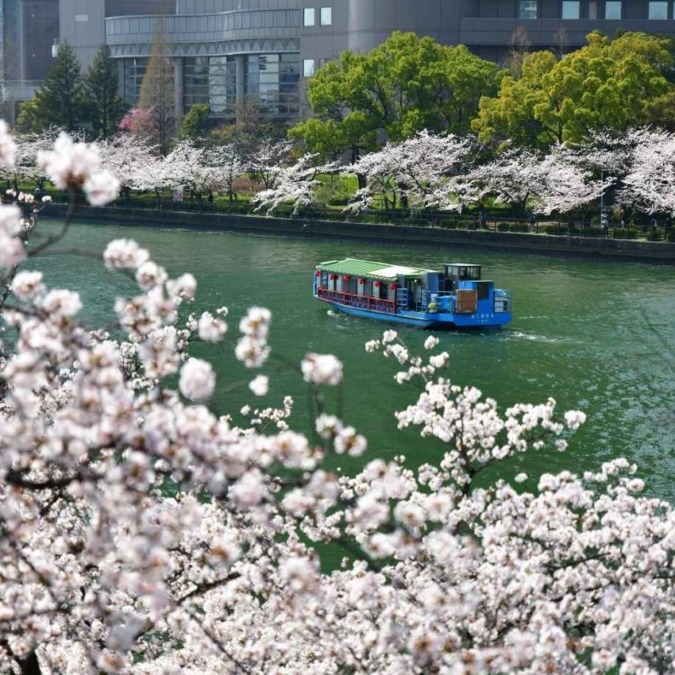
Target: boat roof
[(370, 268)]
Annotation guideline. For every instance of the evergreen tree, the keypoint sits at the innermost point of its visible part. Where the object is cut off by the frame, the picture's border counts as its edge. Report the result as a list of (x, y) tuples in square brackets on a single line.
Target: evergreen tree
[(195, 123), (102, 100), (60, 100)]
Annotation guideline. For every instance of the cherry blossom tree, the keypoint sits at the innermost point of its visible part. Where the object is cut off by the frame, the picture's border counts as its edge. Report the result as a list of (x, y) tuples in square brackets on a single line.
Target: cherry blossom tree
[(551, 183), (144, 123), (266, 156), (294, 184), (105, 569), (414, 172), (132, 161), (649, 179), (226, 165)]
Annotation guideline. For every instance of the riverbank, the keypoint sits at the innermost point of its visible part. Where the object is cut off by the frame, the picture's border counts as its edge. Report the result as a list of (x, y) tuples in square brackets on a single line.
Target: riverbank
[(543, 244)]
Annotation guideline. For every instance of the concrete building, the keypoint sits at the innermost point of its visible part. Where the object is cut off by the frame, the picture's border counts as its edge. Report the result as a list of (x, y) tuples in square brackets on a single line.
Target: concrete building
[(224, 51), (28, 29)]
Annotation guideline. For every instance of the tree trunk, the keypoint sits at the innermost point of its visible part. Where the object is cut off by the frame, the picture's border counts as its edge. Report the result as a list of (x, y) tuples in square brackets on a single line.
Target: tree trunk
[(30, 665)]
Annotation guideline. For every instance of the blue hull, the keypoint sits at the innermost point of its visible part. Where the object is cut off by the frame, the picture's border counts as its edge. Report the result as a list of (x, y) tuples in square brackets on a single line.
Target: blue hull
[(428, 319)]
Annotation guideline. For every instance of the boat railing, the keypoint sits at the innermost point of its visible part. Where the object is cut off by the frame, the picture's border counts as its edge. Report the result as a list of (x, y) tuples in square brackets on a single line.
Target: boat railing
[(360, 301), (503, 300)]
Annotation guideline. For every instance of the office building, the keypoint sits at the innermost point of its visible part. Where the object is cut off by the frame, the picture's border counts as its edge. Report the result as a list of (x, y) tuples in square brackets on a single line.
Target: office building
[(226, 51)]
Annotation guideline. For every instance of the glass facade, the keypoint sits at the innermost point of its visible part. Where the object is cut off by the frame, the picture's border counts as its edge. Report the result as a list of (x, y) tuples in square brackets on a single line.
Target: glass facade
[(273, 80), (613, 9), (571, 9), (658, 10), (133, 72), (195, 80), (222, 84), (527, 9)]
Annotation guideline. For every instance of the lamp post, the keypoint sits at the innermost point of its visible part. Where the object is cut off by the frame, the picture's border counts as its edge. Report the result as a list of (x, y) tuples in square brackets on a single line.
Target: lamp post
[(603, 216)]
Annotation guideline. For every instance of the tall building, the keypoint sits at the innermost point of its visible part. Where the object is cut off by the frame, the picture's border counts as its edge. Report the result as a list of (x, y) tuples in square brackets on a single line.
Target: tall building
[(29, 29), (226, 51)]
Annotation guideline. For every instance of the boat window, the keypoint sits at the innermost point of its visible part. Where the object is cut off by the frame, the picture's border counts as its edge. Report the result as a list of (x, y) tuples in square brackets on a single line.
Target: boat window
[(463, 272), (483, 290)]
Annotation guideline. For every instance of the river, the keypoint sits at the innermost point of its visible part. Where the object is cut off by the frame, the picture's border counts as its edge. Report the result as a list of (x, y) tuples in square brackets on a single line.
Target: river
[(598, 336)]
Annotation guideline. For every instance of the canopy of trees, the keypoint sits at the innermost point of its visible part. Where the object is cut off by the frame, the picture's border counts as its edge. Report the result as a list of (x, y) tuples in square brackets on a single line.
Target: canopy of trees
[(609, 84), (405, 85), (71, 102)]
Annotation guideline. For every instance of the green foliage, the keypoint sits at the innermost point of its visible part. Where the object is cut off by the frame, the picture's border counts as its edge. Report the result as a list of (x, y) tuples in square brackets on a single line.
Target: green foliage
[(656, 234), (625, 233), (251, 131), (60, 101), (195, 122), (403, 86), (608, 84), (335, 190), (28, 117), (104, 106)]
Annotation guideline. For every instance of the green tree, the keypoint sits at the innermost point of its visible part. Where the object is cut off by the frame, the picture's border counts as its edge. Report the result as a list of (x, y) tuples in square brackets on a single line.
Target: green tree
[(60, 101), (157, 89), (512, 115), (251, 130), (608, 84), (101, 85), (27, 120), (195, 123), (403, 86)]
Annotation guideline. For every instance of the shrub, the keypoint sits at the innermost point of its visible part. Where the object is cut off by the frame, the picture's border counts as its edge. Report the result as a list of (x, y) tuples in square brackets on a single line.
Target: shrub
[(519, 227), (625, 233)]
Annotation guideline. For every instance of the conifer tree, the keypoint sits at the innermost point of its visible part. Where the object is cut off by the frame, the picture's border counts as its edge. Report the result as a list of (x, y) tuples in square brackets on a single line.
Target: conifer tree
[(101, 90), (59, 102)]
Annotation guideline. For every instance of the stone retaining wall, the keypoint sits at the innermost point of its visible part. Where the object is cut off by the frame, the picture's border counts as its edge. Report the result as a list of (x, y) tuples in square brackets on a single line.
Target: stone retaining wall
[(618, 249)]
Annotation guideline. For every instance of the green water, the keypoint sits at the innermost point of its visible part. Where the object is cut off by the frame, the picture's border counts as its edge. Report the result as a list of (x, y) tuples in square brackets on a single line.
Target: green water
[(599, 336)]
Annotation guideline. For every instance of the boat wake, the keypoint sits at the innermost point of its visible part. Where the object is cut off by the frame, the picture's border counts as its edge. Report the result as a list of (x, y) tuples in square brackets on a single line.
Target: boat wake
[(519, 335)]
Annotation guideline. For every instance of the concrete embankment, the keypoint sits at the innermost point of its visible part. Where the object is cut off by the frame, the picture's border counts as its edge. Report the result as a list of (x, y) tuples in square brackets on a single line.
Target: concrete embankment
[(612, 249)]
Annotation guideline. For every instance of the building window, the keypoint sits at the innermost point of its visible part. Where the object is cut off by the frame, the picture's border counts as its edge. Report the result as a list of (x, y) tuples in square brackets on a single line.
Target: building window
[(222, 84), (308, 67), (571, 9), (658, 10), (326, 16), (133, 74), (613, 9), (273, 79), (527, 9), (195, 80), (309, 17)]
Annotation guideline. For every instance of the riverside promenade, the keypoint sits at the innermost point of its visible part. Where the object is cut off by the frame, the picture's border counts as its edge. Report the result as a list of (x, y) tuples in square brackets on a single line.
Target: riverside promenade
[(399, 235)]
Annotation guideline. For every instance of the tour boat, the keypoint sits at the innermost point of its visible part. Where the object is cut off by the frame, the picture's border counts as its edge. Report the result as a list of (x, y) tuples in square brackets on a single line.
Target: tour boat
[(455, 297)]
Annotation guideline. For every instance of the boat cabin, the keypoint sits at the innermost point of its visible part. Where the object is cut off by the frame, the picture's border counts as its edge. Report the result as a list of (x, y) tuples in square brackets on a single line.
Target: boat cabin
[(454, 294), (464, 271)]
